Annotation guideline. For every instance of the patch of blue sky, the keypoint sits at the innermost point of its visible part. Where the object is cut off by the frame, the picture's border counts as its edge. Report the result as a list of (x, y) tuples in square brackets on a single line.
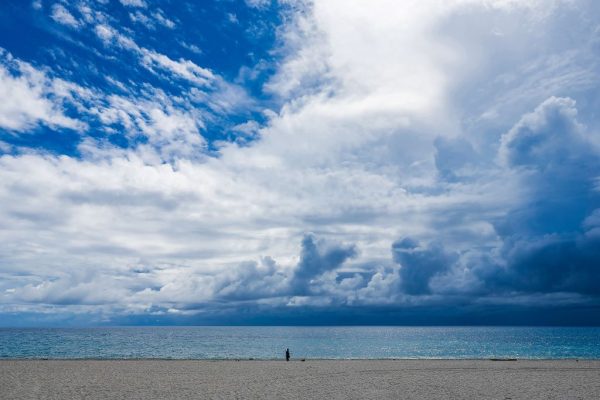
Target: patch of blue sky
[(227, 38)]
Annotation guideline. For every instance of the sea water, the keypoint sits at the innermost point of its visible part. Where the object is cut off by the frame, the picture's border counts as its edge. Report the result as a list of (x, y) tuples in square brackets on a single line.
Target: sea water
[(303, 342)]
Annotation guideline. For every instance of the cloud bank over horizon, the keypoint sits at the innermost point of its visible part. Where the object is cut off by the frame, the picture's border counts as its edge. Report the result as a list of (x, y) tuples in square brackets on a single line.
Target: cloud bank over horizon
[(299, 162)]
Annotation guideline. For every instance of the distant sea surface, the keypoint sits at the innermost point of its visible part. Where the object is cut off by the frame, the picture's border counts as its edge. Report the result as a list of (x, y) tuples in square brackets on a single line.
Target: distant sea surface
[(304, 342)]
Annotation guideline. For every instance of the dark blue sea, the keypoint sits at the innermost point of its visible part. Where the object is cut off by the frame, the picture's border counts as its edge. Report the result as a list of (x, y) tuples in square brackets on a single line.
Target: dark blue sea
[(304, 342)]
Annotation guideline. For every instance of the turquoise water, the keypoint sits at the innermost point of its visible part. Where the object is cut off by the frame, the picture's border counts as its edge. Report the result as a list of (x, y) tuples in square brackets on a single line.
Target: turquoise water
[(309, 342)]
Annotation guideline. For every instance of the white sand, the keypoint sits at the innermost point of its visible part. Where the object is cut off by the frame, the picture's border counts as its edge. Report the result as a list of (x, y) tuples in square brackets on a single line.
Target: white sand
[(398, 379)]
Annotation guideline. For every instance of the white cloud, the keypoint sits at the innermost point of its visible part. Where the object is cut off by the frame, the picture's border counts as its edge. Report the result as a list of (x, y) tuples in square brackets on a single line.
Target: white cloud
[(5, 147), (61, 15), (141, 18), (150, 22), (258, 3), (366, 90), (192, 47), (183, 68), (538, 138), (134, 3), (26, 92), (171, 131), (171, 125), (104, 32), (163, 20), (153, 60)]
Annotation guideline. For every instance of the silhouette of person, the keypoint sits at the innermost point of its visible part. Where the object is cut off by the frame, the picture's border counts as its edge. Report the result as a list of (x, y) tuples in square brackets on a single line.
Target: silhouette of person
[(287, 354)]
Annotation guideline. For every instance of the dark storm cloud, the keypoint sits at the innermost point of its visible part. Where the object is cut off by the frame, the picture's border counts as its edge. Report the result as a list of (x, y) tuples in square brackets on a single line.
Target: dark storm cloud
[(317, 258), (420, 264), (265, 279), (550, 264), (551, 242)]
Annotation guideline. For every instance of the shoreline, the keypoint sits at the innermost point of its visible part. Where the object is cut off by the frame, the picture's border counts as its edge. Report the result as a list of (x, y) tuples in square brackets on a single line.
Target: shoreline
[(492, 359), (335, 379)]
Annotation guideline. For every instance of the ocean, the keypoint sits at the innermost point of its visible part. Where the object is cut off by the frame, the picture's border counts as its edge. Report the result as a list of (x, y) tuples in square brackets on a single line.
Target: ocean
[(212, 342)]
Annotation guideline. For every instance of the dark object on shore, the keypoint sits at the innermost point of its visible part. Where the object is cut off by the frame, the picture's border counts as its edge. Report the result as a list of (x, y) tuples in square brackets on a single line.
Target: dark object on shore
[(503, 359), (287, 354), (303, 359)]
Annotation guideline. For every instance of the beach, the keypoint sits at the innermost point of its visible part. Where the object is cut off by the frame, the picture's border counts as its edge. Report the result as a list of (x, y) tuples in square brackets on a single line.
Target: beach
[(327, 379)]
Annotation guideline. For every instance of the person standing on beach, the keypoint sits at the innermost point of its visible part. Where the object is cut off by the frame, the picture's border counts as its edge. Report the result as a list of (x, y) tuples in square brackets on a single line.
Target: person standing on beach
[(287, 354)]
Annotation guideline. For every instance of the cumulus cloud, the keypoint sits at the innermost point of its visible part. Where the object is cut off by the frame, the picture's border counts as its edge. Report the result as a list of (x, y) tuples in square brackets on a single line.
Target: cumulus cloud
[(550, 238), (419, 265), (552, 263), (252, 280), (417, 183), (549, 137), (316, 260), (558, 164)]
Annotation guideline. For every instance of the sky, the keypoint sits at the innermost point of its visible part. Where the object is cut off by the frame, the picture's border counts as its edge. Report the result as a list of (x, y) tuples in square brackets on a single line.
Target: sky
[(299, 162)]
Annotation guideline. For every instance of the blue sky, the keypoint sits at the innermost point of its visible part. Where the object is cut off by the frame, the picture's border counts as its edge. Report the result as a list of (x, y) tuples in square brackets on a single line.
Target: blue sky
[(299, 162)]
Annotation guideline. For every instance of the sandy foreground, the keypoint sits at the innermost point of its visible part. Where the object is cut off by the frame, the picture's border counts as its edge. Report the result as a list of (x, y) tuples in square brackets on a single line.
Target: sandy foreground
[(322, 379)]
